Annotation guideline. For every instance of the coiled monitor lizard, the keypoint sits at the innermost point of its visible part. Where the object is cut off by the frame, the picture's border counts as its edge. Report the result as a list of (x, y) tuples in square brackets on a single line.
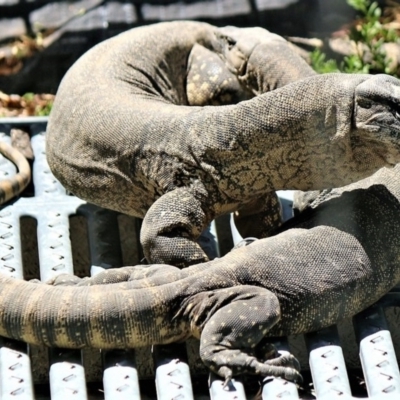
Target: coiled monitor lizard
[(135, 128)]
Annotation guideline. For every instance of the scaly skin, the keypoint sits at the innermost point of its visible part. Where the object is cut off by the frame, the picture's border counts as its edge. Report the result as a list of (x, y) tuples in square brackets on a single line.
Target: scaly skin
[(130, 130), (13, 186), (340, 258)]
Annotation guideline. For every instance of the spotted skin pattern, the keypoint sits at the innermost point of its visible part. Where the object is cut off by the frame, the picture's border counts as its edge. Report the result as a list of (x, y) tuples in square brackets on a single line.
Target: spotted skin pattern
[(12, 187), (332, 261), (181, 122)]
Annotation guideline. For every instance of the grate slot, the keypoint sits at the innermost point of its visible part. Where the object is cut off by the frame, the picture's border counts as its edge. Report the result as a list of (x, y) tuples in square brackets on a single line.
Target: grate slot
[(29, 247), (104, 239)]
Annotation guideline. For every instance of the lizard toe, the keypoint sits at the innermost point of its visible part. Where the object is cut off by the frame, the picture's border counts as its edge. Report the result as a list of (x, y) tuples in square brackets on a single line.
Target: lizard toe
[(226, 373), (64, 280), (284, 359), (293, 375)]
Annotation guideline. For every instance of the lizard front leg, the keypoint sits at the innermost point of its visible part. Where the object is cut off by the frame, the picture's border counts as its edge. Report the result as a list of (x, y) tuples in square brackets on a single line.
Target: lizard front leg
[(232, 322), (171, 227), (260, 217)]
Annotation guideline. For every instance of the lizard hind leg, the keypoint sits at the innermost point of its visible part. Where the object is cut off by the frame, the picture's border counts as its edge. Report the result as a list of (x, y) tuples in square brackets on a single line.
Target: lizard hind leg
[(230, 336)]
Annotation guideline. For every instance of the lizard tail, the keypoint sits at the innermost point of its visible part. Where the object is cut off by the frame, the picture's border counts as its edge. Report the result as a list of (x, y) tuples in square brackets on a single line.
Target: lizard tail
[(99, 316), (12, 187)]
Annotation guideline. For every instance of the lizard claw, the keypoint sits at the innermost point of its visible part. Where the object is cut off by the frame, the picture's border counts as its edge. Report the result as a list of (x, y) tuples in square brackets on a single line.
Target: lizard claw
[(227, 374), (244, 242), (284, 359), (287, 367), (293, 376)]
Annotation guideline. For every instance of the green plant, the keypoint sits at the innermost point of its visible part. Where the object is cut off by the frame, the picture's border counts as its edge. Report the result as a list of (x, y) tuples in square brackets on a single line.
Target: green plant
[(368, 35), (321, 64)]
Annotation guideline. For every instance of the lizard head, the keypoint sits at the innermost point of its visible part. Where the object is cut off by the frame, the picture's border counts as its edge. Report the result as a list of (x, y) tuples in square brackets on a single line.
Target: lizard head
[(377, 116), (261, 60), (235, 45)]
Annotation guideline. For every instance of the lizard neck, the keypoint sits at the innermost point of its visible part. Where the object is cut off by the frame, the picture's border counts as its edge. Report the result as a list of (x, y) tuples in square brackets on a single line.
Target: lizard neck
[(284, 140)]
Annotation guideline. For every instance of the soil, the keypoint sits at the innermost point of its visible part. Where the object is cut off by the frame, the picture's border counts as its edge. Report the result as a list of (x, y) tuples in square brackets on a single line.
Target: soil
[(29, 104)]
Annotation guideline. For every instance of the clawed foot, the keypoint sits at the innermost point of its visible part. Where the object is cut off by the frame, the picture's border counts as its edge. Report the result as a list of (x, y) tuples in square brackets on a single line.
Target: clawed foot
[(65, 280), (60, 280), (284, 366), (289, 364)]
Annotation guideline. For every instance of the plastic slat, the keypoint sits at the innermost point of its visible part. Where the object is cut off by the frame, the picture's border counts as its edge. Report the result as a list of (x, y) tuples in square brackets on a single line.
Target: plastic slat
[(15, 367), (10, 243), (277, 388), (15, 375), (327, 364), (120, 378), (172, 372), (233, 391), (121, 383), (67, 380), (67, 375), (378, 358)]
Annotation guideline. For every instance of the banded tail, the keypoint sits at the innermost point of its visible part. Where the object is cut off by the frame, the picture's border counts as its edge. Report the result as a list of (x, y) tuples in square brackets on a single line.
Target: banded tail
[(12, 187)]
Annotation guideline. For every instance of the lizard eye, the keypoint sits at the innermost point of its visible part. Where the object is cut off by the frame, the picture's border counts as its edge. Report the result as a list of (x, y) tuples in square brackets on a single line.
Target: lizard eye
[(231, 42)]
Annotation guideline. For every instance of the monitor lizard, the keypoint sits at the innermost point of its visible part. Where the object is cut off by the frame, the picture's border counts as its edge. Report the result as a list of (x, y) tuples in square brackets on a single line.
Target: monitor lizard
[(135, 127), (330, 262)]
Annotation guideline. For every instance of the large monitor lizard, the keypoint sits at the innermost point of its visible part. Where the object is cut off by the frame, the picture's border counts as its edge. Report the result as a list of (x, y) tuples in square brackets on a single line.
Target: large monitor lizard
[(130, 130), (342, 256)]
